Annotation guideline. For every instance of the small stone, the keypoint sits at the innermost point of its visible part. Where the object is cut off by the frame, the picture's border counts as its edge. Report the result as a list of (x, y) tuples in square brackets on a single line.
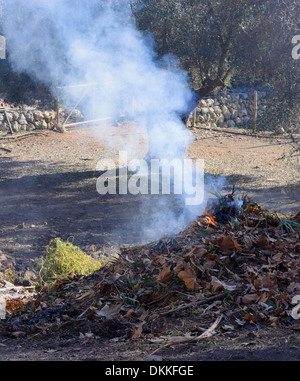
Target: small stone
[(230, 123), (220, 121), (29, 117), (15, 115), (16, 126), (210, 102), (22, 120), (9, 116), (234, 114), (243, 113), (38, 115)]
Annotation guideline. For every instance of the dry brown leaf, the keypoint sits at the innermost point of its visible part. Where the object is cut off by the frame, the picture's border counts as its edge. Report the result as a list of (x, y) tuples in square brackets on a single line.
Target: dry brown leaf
[(269, 282), (277, 258), (292, 287), (143, 316), (273, 319), (129, 314), (179, 266), (137, 332), (249, 317), (228, 327), (189, 277), (262, 241), (160, 259), (248, 242), (197, 251), (59, 300), (209, 264), (109, 311), (217, 284), (263, 298), (82, 296), (257, 282), (249, 298), (165, 274), (237, 246), (226, 243), (210, 257)]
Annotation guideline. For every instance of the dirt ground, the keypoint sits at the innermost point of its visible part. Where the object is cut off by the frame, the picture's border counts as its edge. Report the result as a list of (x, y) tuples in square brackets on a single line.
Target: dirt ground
[(48, 190)]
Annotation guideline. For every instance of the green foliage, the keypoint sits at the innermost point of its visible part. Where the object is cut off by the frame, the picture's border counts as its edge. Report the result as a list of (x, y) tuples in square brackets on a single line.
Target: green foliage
[(288, 226), (229, 43), (64, 258), (9, 275)]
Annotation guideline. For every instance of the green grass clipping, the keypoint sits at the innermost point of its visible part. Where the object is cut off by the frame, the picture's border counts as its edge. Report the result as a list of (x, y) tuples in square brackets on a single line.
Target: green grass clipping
[(64, 258)]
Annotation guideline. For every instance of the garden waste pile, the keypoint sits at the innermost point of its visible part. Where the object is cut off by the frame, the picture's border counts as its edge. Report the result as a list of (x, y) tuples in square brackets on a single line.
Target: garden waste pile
[(238, 264)]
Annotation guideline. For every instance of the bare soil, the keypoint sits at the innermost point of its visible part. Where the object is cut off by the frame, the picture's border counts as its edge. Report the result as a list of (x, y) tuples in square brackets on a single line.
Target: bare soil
[(259, 165), (48, 190)]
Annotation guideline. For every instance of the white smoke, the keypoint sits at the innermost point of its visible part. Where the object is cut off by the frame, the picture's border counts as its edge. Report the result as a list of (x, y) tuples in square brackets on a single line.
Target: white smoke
[(68, 42), (63, 42)]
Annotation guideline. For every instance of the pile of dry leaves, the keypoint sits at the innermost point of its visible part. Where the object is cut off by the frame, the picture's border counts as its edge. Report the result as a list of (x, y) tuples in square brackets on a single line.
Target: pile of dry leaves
[(237, 262)]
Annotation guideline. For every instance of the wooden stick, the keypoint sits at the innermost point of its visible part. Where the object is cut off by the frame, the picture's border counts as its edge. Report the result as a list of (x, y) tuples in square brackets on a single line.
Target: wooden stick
[(86, 122), (65, 122), (81, 85), (10, 127), (191, 339), (84, 85), (255, 111), (197, 303)]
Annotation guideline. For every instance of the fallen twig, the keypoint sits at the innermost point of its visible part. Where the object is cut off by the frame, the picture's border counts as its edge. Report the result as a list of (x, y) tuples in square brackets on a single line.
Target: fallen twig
[(196, 303), (176, 340), (8, 121)]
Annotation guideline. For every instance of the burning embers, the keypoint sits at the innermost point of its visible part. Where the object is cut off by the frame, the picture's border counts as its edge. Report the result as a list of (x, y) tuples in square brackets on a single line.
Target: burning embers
[(211, 220), (225, 209), (240, 211)]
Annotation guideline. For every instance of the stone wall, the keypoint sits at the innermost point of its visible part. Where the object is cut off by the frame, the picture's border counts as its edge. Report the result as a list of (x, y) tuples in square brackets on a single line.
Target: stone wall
[(30, 119), (27, 120), (228, 109)]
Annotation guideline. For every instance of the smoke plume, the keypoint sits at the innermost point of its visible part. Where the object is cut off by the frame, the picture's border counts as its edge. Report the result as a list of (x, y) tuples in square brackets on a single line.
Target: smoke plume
[(67, 42)]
